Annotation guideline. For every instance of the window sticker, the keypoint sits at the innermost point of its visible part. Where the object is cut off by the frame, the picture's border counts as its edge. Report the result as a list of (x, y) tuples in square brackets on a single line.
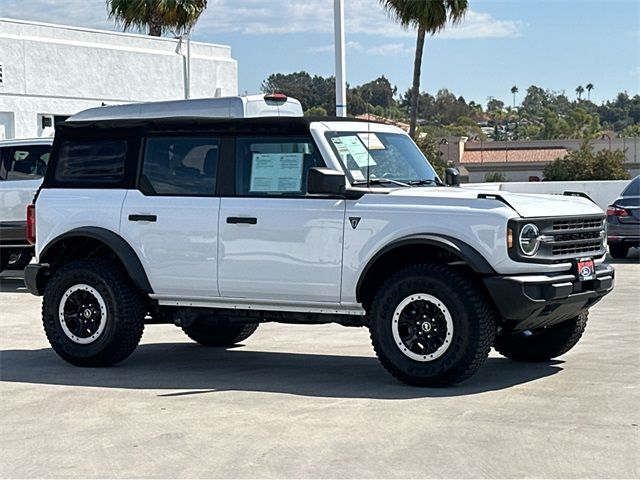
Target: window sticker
[(371, 141), (276, 172), (351, 145), (357, 174)]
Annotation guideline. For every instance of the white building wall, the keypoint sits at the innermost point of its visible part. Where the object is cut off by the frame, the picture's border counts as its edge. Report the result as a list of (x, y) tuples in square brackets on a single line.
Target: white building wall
[(60, 70)]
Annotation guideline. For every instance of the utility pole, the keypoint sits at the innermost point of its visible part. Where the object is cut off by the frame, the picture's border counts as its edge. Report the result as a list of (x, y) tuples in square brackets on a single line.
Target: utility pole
[(341, 86)]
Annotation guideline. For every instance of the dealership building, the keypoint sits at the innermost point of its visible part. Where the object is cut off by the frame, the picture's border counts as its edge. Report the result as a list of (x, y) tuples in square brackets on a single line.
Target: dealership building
[(48, 72)]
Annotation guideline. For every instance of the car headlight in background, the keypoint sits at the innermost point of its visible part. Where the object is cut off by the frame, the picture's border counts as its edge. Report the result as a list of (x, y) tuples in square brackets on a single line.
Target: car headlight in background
[(529, 239)]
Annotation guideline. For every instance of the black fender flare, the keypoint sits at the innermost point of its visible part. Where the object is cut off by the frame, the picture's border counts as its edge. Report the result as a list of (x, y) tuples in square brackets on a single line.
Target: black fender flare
[(115, 242), (457, 247)]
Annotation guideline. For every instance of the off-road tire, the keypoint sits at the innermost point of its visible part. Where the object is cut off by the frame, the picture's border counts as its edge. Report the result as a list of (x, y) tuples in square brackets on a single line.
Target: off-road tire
[(543, 344), (618, 250), (473, 316), (126, 307), (212, 335)]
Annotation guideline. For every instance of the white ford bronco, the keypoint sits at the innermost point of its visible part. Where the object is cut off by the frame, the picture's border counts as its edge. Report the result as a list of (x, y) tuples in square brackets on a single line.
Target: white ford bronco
[(218, 225)]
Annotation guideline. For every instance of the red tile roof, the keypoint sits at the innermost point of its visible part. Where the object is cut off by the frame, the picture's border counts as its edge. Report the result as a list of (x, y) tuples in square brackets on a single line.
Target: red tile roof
[(520, 155)]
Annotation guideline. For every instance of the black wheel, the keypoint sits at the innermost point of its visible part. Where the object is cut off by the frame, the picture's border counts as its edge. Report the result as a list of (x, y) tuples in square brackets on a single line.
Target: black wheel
[(431, 325), (93, 315), (209, 334), (618, 250), (543, 344)]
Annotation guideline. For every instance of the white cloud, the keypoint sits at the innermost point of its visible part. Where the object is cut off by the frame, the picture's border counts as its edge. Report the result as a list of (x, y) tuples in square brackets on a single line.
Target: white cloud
[(259, 17), (329, 48)]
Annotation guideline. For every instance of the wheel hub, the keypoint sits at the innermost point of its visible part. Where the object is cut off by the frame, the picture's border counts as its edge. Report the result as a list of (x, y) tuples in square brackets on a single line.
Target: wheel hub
[(422, 327), (82, 314)]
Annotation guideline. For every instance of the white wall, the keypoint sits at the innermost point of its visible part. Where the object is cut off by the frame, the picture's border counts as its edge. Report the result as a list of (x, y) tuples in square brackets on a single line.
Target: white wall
[(52, 69), (603, 193)]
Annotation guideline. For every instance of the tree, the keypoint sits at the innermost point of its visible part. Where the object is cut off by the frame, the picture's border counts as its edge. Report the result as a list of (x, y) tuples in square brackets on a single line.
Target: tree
[(494, 104), (156, 16), (497, 177), (514, 90), (579, 91), (429, 147), (589, 87), (428, 16), (379, 93), (584, 164)]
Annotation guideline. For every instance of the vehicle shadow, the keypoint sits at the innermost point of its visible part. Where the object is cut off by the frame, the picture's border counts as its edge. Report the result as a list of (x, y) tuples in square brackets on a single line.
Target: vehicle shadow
[(632, 258), (12, 282), (188, 369)]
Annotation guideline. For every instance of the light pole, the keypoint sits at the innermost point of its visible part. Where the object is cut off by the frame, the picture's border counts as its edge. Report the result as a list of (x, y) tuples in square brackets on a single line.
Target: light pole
[(341, 86), (186, 59)]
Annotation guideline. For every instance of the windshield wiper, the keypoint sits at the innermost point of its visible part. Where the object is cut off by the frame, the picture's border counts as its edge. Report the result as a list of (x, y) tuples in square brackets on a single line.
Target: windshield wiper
[(427, 181), (378, 181)]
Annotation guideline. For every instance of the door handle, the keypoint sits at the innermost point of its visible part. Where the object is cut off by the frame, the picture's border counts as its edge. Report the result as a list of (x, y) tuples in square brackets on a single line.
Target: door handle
[(246, 220), (142, 218)]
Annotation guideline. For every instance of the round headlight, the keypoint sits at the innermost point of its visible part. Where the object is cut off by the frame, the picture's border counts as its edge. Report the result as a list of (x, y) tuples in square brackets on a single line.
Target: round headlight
[(529, 239)]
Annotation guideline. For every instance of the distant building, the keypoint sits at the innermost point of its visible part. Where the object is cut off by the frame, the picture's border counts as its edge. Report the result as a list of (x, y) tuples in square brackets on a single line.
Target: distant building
[(48, 72), (522, 161), (370, 117)]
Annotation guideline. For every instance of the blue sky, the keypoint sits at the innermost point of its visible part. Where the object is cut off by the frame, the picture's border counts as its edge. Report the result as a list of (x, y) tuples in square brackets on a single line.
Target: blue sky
[(556, 44)]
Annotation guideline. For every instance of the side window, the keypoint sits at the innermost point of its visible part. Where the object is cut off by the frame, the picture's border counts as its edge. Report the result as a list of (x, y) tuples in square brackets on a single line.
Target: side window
[(91, 160), (24, 162), (183, 166), (275, 166)]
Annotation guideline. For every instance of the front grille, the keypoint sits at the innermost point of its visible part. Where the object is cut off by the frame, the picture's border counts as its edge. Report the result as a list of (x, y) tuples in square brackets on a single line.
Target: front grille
[(572, 237), (563, 239)]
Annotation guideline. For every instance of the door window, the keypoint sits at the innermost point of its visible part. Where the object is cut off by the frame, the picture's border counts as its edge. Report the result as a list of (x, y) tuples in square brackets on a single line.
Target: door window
[(181, 166), (275, 166), (24, 162)]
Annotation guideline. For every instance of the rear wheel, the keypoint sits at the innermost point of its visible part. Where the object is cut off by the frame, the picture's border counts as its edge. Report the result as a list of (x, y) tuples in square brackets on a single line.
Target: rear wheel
[(542, 344), (431, 325), (92, 313), (209, 334), (618, 250)]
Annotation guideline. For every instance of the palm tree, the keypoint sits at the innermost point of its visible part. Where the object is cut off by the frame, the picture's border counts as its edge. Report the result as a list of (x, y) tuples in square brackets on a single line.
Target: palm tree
[(156, 16), (589, 87), (514, 90), (429, 16), (579, 91)]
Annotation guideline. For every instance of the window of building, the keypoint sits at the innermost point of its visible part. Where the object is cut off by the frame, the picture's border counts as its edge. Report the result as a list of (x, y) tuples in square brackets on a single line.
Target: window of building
[(25, 162), (91, 160), (275, 166), (184, 166)]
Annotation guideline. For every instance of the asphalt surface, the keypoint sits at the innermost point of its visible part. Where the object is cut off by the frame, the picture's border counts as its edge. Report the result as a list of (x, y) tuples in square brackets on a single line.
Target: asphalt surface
[(312, 401)]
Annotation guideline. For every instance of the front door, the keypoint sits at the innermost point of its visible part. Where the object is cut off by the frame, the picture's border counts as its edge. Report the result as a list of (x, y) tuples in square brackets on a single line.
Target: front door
[(277, 242)]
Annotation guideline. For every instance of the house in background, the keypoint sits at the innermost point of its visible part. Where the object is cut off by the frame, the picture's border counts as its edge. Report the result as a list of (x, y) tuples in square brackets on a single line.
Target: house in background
[(48, 72), (522, 161)]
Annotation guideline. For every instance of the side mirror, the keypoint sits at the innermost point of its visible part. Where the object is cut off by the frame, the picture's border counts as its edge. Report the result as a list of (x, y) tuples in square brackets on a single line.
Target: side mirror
[(326, 181), (452, 177)]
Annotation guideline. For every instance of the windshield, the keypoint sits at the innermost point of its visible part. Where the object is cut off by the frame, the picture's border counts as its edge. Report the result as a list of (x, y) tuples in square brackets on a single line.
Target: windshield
[(377, 157)]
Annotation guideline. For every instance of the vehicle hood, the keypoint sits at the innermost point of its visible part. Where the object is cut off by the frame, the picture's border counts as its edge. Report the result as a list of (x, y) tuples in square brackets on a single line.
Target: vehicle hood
[(525, 205)]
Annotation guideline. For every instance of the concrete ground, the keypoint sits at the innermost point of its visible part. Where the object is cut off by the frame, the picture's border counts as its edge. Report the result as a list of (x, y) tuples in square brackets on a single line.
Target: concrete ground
[(312, 401)]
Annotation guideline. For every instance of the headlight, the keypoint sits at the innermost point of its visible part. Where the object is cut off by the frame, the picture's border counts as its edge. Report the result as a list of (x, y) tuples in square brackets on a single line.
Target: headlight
[(529, 239)]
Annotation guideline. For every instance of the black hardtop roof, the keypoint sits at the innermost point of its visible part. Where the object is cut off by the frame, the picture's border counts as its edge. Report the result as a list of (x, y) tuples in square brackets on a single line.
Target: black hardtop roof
[(256, 125)]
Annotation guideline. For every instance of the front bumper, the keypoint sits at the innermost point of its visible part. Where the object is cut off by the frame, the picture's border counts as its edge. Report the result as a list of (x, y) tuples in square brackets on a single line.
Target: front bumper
[(526, 302)]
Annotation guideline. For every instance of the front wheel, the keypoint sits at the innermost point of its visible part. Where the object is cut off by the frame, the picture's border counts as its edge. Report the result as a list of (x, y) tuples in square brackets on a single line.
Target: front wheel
[(431, 325), (542, 344), (92, 313)]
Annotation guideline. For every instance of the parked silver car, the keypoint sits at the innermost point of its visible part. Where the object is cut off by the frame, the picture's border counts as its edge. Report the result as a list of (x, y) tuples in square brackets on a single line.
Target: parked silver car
[(623, 221)]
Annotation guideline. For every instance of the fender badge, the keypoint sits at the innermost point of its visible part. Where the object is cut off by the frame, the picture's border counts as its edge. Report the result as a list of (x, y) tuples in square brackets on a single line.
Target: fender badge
[(354, 222)]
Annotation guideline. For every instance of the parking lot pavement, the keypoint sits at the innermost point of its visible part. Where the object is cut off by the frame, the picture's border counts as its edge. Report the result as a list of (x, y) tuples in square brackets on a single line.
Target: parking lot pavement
[(312, 401)]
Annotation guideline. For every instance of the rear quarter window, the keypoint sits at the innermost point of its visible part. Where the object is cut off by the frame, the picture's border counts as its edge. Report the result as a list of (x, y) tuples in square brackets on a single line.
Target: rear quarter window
[(633, 189), (92, 161)]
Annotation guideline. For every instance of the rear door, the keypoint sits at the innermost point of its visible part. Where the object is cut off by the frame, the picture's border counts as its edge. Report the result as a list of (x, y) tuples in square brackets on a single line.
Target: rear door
[(172, 218), (276, 241)]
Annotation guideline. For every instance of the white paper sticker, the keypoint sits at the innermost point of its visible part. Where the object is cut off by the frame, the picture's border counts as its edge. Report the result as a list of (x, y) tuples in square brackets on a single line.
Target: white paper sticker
[(357, 174), (276, 172), (371, 141), (351, 145)]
